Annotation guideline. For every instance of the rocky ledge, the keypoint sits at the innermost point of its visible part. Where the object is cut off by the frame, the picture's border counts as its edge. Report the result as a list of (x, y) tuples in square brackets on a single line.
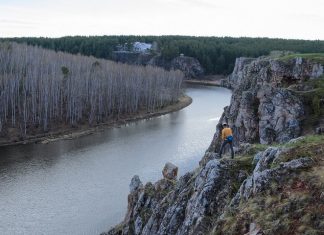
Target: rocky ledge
[(275, 183)]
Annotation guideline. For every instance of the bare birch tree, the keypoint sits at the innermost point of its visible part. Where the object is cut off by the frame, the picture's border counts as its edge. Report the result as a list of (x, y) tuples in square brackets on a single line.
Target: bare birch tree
[(41, 88)]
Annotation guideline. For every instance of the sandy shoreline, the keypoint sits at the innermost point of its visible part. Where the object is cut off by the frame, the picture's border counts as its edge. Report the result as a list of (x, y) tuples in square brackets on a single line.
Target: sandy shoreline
[(204, 82), (73, 133)]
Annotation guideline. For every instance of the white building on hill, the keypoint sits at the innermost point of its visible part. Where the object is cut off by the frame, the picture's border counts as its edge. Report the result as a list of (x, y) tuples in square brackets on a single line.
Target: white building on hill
[(141, 46)]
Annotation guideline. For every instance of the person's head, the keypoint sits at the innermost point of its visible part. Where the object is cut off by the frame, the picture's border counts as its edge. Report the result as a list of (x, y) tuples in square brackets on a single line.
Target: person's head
[(224, 124)]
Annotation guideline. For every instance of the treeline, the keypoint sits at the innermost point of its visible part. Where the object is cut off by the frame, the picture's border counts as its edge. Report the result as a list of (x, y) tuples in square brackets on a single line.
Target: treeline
[(216, 54), (40, 88)]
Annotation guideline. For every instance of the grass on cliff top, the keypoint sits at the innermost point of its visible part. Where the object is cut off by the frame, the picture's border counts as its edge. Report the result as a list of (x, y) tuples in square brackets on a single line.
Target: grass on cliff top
[(292, 205), (315, 57), (250, 153), (311, 146), (308, 141), (291, 209), (244, 160)]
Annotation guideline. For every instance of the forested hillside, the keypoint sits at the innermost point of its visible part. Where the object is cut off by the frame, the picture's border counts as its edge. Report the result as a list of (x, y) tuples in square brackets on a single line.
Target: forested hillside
[(216, 54), (40, 88)]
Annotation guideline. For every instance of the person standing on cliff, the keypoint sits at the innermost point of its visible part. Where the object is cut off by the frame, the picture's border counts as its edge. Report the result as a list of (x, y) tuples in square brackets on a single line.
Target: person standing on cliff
[(227, 137)]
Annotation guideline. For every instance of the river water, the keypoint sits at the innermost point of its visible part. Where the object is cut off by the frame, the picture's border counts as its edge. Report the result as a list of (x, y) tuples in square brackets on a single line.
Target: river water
[(80, 186)]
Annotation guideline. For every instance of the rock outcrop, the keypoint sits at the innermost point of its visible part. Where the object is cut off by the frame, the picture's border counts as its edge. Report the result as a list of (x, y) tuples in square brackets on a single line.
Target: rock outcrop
[(135, 184), (170, 171), (216, 197), (263, 175), (188, 65), (263, 107), (188, 206)]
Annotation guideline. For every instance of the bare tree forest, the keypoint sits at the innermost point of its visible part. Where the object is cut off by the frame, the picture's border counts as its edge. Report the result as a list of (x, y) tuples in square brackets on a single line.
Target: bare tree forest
[(41, 88)]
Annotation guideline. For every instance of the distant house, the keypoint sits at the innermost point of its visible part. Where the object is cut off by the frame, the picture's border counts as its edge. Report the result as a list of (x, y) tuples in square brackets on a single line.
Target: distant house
[(138, 47), (141, 46)]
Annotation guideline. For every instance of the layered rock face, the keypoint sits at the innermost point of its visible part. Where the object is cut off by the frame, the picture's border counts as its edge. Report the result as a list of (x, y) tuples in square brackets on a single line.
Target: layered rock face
[(188, 65), (263, 108)]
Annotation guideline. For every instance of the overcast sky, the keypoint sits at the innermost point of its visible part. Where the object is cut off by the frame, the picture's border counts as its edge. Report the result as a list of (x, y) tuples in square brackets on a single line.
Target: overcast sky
[(301, 19)]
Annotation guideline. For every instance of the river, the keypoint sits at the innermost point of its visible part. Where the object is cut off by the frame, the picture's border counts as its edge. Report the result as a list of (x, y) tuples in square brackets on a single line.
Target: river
[(80, 186)]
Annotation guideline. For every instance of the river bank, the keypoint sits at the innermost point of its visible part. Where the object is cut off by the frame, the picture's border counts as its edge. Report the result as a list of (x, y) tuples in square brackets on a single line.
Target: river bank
[(208, 80), (66, 133), (204, 82)]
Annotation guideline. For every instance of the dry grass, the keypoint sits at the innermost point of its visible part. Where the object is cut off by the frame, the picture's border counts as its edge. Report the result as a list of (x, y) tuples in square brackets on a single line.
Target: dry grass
[(291, 206), (315, 57)]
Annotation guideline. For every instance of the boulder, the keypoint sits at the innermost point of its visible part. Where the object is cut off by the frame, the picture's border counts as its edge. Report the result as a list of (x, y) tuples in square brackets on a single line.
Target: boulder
[(170, 171)]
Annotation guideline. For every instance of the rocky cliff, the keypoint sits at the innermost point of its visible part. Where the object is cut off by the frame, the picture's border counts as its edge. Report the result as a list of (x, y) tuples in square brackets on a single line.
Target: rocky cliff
[(277, 189), (265, 106), (188, 65)]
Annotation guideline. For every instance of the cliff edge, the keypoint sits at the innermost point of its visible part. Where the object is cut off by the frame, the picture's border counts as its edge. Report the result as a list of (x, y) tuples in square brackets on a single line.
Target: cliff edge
[(275, 183)]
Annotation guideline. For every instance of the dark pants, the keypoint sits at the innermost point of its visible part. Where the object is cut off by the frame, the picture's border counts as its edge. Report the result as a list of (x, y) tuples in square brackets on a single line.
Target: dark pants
[(225, 142)]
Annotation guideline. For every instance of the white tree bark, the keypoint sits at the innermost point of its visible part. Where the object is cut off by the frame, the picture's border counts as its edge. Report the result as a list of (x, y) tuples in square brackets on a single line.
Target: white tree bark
[(40, 89)]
